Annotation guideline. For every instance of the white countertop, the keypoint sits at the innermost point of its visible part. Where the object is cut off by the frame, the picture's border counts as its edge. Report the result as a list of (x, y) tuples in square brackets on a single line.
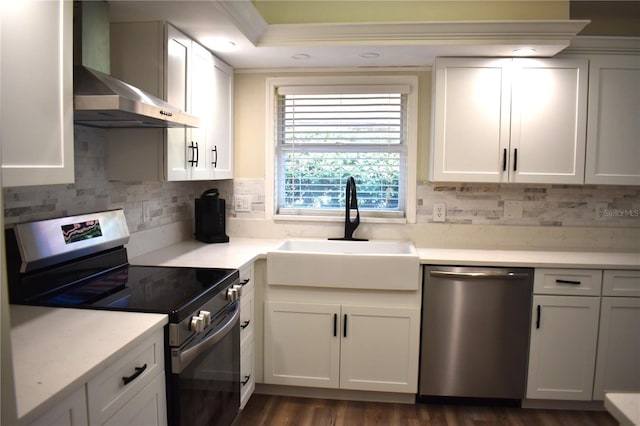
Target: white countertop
[(241, 251), (529, 258), (195, 254), (55, 350), (624, 407)]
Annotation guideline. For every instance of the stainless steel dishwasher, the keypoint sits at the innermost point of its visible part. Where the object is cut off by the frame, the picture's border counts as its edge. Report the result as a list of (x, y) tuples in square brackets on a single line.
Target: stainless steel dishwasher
[(475, 332)]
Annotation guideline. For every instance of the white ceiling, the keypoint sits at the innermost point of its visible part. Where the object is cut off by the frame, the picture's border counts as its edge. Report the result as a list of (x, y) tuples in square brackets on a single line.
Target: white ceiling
[(262, 46)]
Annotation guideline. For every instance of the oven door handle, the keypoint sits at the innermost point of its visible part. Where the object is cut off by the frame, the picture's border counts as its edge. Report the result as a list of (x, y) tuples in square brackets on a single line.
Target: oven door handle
[(181, 359)]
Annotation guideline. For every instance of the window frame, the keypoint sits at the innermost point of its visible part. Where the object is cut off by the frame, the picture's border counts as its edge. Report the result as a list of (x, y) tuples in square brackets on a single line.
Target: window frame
[(409, 172)]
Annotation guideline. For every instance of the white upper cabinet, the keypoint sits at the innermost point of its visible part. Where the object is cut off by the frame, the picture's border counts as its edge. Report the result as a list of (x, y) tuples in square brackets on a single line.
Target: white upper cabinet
[(178, 93), (613, 131), (221, 145), (509, 120), (186, 75), (37, 93), (471, 110)]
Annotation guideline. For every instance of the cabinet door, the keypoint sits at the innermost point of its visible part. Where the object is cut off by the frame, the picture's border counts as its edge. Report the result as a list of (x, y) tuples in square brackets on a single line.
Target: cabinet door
[(72, 411), (148, 407), (471, 110), (548, 120), (618, 365), (379, 349), (247, 373), (613, 131), (37, 93), (564, 332), (179, 150), (302, 344), (203, 93), (222, 133)]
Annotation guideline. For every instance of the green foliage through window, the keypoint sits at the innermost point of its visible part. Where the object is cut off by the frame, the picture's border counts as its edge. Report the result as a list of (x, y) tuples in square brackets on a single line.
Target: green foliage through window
[(324, 139)]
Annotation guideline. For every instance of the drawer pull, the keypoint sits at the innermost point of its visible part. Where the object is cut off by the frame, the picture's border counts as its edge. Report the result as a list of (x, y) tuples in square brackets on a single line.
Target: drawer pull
[(244, 282), (568, 282), (131, 378), (245, 324), (246, 380)]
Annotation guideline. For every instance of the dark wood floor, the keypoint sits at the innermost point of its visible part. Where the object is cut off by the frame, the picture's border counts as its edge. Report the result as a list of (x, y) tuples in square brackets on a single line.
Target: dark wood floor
[(265, 410)]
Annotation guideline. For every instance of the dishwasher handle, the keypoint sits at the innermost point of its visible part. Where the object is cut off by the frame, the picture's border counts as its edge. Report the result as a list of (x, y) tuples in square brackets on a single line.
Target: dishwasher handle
[(479, 275)]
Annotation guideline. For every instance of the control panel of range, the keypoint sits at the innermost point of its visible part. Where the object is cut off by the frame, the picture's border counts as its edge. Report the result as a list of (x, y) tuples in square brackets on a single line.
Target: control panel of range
[(234, 293), (201, 321)]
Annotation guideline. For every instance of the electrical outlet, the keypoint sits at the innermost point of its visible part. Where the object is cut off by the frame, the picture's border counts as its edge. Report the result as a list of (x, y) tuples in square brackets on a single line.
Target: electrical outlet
[(512, 209), (439, 212), (242, 203)]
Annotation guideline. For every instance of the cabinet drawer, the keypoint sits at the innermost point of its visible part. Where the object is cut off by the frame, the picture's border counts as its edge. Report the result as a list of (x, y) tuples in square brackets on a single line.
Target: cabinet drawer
[(107, 392), (583, 282), (247, 373), (621, 283), (246, 278), (246, 315)]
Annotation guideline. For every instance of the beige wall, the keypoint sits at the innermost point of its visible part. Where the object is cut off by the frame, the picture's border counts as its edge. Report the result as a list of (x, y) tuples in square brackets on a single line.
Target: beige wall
[(249, 127), (315, 11)]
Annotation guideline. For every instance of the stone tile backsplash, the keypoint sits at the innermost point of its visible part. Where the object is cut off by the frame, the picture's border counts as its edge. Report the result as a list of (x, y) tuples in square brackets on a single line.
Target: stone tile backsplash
[(484, 204), (536, 205), (146, 204), (152, 204)]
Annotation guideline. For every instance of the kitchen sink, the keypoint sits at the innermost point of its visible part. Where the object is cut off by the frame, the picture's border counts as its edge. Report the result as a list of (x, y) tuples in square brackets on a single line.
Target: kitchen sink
[(379, 265)]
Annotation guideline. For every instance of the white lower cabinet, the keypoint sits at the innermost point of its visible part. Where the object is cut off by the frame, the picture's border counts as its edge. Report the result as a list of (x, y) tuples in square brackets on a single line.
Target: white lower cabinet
[(378, 350), (618, 358), (371, 348), (72, 411), (585, 334), (564, 335), (302, 344), (131, 390), (247, 335), (148, 407)]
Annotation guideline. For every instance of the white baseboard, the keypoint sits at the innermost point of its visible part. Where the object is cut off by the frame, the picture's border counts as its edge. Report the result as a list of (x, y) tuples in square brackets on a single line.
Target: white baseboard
[(339, 394)]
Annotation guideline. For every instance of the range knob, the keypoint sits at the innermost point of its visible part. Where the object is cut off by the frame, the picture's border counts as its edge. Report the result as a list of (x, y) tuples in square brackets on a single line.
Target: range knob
[(238, 289), (232, 294), (197, 323), (206, 317)]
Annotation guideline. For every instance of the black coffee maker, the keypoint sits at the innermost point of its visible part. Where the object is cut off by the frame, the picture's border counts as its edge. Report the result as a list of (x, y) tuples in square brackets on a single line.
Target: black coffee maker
[(210, 217)]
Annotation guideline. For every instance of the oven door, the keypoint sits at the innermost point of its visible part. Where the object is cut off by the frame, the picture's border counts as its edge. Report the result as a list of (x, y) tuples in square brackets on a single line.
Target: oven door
[(204, 385)]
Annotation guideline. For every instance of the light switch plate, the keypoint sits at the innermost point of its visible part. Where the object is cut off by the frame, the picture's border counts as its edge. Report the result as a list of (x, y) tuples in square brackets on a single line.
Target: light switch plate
[(242, 203)]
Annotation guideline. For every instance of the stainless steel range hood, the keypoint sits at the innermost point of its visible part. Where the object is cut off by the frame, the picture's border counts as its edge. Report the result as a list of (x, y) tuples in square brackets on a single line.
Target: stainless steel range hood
[(101, 100), (104, 101)]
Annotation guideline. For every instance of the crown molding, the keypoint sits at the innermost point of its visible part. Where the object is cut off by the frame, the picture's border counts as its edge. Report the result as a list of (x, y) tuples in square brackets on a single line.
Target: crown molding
[(245, 17), (605, 45), (426, 33)]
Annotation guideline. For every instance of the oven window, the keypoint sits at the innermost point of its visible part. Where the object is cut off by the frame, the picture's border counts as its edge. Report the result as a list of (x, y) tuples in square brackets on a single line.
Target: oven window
[(207, 391)]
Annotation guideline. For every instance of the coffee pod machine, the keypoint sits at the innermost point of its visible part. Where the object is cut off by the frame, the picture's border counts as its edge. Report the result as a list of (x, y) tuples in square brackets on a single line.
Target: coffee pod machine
[(210, 218)]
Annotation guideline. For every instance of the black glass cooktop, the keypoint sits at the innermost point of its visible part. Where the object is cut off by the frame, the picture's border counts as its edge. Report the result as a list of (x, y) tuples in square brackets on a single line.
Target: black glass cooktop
[(168, 290)]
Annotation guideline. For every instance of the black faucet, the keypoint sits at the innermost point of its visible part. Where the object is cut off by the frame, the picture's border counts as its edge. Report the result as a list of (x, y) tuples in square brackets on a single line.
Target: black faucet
[(351, 204)]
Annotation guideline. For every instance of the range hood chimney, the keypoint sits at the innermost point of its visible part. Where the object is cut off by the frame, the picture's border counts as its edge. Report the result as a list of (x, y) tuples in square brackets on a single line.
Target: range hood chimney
[(104, 101)]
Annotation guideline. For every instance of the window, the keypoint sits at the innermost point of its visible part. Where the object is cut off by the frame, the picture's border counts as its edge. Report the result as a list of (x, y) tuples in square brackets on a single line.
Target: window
[(323, 134)]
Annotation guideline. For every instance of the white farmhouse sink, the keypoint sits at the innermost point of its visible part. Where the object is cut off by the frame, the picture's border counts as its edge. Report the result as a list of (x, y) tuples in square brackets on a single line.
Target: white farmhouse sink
[(376, 265)]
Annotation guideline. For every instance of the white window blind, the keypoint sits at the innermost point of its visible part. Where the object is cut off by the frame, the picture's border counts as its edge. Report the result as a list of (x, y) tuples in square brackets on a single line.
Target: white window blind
[(327, 133)]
